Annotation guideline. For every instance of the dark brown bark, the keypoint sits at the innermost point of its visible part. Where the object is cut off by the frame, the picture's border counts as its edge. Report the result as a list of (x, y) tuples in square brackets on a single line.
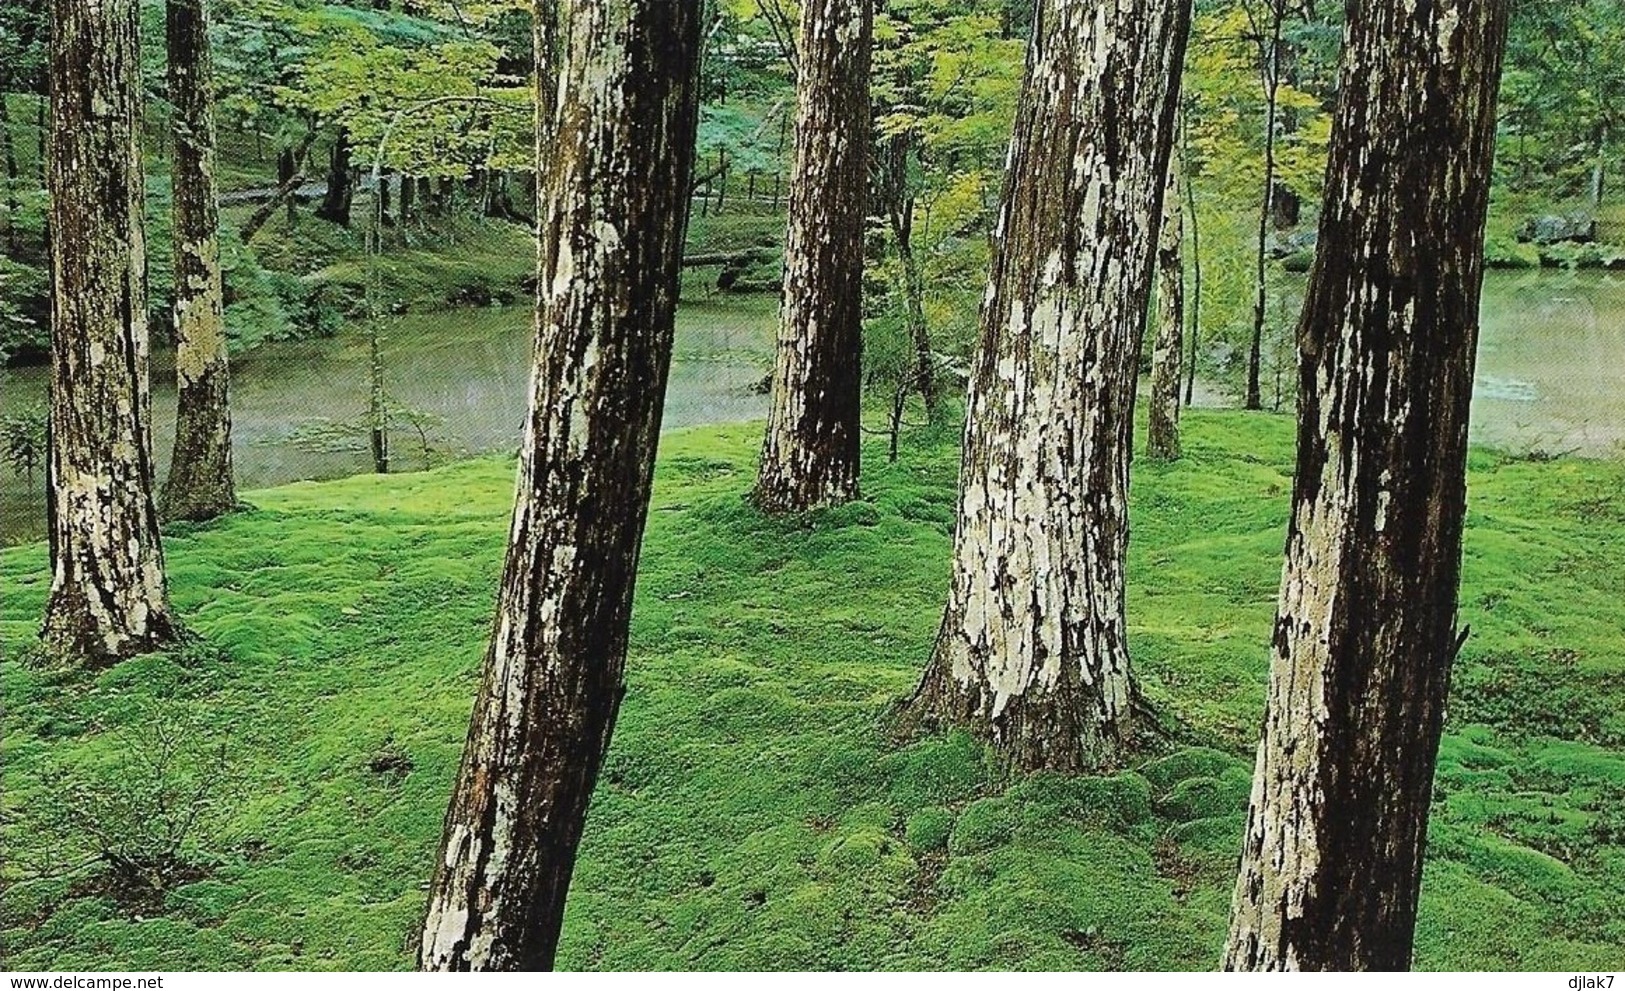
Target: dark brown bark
[(1286, 207), (811, 450), (1168, 351), (108, 599), (1033, 653), (408, 198), (335, 205), (200, 484), (618, 161), (1365, 631), (288, 178)]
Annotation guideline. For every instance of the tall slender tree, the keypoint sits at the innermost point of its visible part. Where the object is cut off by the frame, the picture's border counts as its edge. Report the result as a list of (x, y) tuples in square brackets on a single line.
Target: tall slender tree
[(200, 484), (1365, 631), (1033, 653), (1267, 23), (810, 454), (108, 599), (1168, 352), (616, 167)]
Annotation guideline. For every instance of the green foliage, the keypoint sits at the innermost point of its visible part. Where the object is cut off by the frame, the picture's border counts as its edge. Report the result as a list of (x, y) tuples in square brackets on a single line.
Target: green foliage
[(257, 302), (753, 811), (25, 307), (1561, 96), (986, 823), (22, 431), (478, 264)]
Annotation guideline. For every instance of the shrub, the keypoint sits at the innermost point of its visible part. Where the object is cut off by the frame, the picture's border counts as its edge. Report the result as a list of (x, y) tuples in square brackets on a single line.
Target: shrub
[(148, 811)]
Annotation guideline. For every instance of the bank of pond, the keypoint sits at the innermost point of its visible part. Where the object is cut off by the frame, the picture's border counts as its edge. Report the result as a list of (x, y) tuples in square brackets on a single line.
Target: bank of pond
[(1548, 383)]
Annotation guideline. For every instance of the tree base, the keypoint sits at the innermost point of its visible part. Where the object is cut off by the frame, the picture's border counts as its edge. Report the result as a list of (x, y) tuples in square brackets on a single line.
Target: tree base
[(68, 640), (780, 496), (1059, 728)]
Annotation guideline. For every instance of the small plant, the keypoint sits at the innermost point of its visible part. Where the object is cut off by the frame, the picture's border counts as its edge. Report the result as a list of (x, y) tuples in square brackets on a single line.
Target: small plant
[(147, 813), (23, 435), (327, 436)]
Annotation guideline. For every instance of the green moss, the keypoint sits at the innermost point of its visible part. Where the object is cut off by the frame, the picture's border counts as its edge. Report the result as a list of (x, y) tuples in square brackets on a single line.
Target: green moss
[(928, 829), (985, 824), (753, 811), (1190, 762), (1117, 803), (942, 769)]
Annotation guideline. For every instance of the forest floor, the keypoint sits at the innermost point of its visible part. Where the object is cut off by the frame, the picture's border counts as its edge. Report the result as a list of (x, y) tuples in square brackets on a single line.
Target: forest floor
[(753, 812)]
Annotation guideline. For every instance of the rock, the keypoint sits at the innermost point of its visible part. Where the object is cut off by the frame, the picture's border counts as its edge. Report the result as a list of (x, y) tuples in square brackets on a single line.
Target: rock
[(1554, 228)]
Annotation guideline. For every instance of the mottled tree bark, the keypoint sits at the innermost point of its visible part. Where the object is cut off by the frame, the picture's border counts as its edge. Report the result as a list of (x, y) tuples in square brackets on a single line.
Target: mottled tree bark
[(617, 165), (1033, 653), (200, 484), (108, 599), (810, 454), (1168, 351), (1365, 630)]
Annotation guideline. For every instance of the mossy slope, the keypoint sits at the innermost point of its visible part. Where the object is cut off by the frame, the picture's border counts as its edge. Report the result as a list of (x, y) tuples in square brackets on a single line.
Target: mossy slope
[(752, 814)]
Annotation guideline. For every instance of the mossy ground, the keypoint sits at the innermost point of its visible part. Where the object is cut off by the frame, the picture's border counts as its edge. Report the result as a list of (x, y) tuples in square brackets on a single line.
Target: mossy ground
[(753, 812)]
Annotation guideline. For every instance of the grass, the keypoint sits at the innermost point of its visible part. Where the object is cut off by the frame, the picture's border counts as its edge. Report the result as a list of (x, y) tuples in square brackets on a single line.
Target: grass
[(752, 813)]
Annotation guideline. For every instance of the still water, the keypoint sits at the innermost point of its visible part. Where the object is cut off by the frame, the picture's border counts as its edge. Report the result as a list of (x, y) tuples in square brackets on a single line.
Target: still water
[(298, 407), (1551, 377)]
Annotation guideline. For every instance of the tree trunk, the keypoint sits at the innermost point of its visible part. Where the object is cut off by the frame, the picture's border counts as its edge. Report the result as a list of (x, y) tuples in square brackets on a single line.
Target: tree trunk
[(810, 454), (108, 599), (200, 484), (335, 205), (1365, 630), (445, 193), (919, 331), (287, 176), (722, 179), (385, 210), (892, 185), (1270, 55), (408, 200), (617, 171), (1196, 266), (1169, 349), (1599, 168), (1033, 654), (1286, 207)]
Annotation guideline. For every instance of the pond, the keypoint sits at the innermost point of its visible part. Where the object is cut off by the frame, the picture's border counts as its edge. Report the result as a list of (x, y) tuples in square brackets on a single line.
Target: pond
[(298, 408), (1550, 371)]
